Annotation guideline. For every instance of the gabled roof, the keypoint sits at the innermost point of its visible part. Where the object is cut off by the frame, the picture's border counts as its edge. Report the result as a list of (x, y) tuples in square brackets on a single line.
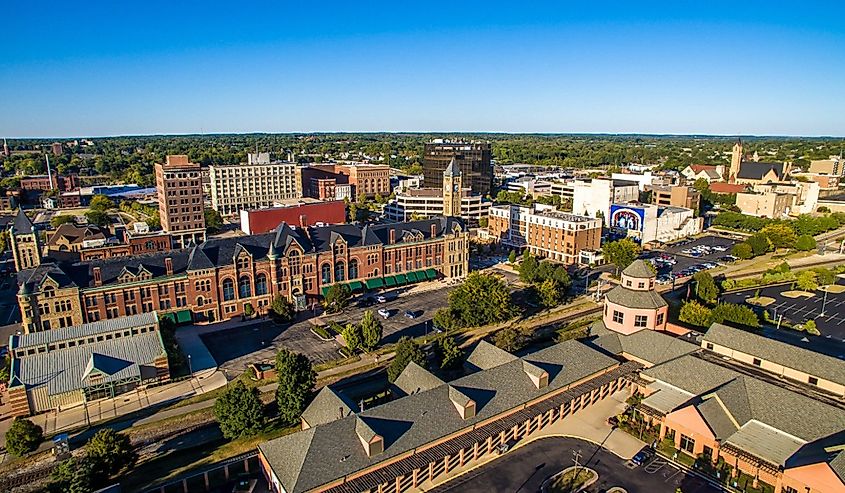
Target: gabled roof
[(75, 234), (638, 269), (414, 379), (751, 170), (328, 406), (646, 345), (105, 364), (486, 356), (22, 224)]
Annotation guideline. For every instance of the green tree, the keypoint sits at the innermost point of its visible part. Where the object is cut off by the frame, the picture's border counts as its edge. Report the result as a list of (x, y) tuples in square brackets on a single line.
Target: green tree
[(282, 308), (510, 339), (737, 314), (810, 327), (406, 351), (239, 411), (550, 293), (249, 310), (296, 379), (109, 453), (444, 319), (100, 203), (512, 257), (528, 268), (807, 280), (72, 475), (480, 300), (694, 313), (371, 331), (23, 437), (61, 219), (742, 250), (705, 287), (352, 336), (98, 217), (337, 298), (5, 368), (213, 220), (760, 244), (621, 253), (805, 243), (780, 235), (448, 352), (824, 277)]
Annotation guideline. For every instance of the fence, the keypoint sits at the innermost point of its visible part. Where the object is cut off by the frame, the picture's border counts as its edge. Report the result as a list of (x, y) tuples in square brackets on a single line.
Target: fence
[(213, 476)]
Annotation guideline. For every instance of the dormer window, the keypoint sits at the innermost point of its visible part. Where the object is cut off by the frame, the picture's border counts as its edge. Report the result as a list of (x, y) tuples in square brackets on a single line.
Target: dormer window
[(242, 262)]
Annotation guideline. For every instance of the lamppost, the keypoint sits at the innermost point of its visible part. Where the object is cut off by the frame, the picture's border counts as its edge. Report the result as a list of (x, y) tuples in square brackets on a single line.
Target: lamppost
[(824, 302), (190, 368)]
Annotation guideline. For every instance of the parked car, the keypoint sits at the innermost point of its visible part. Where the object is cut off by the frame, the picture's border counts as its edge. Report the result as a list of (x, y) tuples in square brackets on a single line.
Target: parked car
[(385, 313), (411, 314), (381, 299), (642, 456), (365, 302)]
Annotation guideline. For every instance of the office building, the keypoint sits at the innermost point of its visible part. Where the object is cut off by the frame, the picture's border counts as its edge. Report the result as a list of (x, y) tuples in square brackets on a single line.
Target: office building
[(474, 160), (649, 223), (593, 197), (180, 202), (336, 181), (833, 166), (255, 184), (676, 196), (545, 232)]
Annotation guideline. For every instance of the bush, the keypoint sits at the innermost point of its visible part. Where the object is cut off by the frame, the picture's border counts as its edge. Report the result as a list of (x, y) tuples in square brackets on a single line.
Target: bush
[(23, 437), (321, 331), (743, 250), (72, 476), (737, 314), (810, 327), (694, 313), (509, 339), (805, 243), (406, 351), (109, 453), (282, 308)]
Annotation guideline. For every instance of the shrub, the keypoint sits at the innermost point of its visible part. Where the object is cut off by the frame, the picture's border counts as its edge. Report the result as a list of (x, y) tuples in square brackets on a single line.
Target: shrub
[(743, 250), (23, 437)]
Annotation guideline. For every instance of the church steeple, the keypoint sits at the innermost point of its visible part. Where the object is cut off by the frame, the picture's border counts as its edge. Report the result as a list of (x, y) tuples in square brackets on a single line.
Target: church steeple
[(26, 248), (736, 161), (452, 184)]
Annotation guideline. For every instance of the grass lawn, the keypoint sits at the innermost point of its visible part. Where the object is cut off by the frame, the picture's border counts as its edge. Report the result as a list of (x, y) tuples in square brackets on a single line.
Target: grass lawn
[(796, 294), (760, 301), (569, 482), (243, 377), (833, 288)]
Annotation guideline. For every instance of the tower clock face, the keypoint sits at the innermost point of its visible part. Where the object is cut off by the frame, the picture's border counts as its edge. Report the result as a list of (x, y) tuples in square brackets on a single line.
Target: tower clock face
[(455, 187)]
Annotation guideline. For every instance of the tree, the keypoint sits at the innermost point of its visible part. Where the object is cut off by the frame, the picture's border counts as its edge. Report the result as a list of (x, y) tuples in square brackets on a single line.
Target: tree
[(694, 313), (705, 287), (780, 235), (23, 437), (444, 319), (249, 310), (512, 257), (805, 243), (480, 300), (352, 335), (823, 209), (239, 411), (213, 220), (528, 268), (282, 308), (371, 330), (742, 250), (759, 243), (807, 281), (61, 219), (337, 298), (109, 452), (483, 222), (730, 312), (621, 253), (448, 352), (810, 327), (5, 368), (550, 293), (406, 351), (510, 339), (98, 218), (824, 277), (296, 379), (100, 203), (72, 475)]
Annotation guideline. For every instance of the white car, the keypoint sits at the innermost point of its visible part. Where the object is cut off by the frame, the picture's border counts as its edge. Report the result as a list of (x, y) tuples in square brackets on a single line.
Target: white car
[(384, 313)]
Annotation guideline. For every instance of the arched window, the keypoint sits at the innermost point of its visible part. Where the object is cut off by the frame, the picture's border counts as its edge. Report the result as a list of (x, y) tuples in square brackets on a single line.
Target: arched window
[(228, 290), (339, 272), (243, 262), (353, 269), (260, 284), (200, 301), (326, 273), (244, 289)]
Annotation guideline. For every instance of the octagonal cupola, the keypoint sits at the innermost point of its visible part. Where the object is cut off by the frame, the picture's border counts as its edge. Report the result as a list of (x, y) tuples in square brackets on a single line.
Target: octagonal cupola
[(638, 276)]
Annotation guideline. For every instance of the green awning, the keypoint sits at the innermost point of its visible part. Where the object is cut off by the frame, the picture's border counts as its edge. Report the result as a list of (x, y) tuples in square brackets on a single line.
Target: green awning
[(184, 317), (431, 274), (325, 290), (168, 316), (390, 281), (420, 275), (375, 283), (412, 276), (356, 286), (401, 279)]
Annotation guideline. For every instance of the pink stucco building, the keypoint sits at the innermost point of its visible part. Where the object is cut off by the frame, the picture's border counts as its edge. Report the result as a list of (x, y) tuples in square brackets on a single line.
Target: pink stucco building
[(634, 305)]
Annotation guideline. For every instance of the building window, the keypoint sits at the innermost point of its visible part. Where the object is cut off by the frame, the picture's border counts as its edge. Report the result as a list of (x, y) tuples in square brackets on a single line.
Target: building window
[(640, 320), (709, 346), (789, 489), (659, 319), (756, 362), (244, 289), (261, 284), (813, 381), (326, 273), (228, 290), (687, 444), (339, 272), (618, 317), (353, 269)]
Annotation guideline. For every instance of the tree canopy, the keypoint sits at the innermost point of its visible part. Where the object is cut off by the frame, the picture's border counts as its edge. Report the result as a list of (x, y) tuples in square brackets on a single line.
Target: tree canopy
[(213, 220), (406, 351), (23, 437), (239, 411), (480, 300), (371, 331), (296, 380), (705, 287), (337, 298), (109, 453), (621, 253)]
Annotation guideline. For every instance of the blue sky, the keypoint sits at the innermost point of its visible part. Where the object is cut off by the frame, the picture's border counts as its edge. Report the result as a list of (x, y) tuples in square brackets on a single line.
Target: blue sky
[(118, 68)]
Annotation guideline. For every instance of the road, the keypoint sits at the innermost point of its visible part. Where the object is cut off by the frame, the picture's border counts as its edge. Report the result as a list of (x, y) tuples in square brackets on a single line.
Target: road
[(523, 470)]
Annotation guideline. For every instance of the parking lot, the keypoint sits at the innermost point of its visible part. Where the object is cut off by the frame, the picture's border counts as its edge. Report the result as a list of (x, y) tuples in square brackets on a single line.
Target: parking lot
[(799, 310), (525, 469), (685, 258)]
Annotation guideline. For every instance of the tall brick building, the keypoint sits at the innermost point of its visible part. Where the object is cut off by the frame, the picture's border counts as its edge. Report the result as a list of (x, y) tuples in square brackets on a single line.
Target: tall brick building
[(217, 279), (180, 203)]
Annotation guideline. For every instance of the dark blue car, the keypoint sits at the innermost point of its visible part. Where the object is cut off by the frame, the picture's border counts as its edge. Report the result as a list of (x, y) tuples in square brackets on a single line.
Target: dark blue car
[(642, 456)]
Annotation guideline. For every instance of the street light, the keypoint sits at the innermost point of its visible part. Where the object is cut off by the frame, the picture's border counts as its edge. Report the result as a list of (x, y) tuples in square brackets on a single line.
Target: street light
[(824, 302), (190, 369)]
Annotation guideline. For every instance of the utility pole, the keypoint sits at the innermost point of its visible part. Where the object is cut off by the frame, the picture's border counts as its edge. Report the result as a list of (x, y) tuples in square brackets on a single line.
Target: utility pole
[(576, 459), (824, 303)]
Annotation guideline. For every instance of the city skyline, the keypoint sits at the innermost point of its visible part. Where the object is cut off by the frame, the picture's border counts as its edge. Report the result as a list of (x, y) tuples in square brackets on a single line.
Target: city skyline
[(657, 69)]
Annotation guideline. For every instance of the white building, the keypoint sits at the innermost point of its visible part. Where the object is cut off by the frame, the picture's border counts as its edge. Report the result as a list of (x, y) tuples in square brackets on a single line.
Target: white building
[(594, 197), (644, 180), (652, 223), (253, 185), (421, 203)]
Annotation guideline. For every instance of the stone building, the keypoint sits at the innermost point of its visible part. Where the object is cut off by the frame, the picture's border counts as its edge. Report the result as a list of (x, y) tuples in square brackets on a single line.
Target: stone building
[(180, 202), (24, 242)]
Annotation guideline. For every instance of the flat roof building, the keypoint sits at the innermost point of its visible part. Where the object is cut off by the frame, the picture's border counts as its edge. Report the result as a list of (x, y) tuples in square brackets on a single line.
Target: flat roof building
[(474, 160), (180, 202), (258, 183)]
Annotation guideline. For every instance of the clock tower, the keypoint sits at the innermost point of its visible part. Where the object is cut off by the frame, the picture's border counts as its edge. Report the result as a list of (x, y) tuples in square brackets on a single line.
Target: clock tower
[(452, 183)]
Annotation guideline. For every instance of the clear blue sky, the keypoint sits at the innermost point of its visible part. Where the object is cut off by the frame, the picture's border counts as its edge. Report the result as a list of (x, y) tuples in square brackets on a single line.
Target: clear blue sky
[(117, 68)]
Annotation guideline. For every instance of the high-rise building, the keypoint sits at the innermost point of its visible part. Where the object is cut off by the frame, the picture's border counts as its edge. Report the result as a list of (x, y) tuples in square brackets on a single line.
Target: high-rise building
[(255, 184), (26, 248), (6, 148), (180, 204), (474, 160)]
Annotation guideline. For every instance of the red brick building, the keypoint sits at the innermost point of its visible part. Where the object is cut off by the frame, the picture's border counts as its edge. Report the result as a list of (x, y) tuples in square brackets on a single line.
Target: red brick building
[(263, 220), (62, 183), (180, 203)]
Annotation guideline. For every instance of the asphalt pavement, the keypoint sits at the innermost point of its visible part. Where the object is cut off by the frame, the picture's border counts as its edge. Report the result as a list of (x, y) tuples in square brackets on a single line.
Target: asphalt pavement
[(524, 469)]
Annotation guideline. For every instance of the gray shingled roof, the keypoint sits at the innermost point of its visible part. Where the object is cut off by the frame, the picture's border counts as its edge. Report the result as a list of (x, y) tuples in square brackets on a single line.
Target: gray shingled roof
[(333, 450), (766, 442), (795, 357), (328, 406), (486, 356), (752, 170), (635, 299), (22, 224), (655, 347), (414, 378), (717, 417), (638, 269)]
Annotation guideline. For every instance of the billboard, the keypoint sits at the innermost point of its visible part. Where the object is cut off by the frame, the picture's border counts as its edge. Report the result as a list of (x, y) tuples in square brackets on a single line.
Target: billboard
[(627, 218)]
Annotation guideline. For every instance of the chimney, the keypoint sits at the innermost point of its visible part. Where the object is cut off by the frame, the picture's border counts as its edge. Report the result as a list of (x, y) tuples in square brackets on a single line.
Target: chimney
[(168, 266), (98, 278), (434, 230), (303, 221), (392, 238)]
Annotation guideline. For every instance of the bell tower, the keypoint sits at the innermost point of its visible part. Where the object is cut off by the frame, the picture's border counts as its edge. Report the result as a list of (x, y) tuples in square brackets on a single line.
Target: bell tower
[(26, 249), (452, 184), (736, 161)]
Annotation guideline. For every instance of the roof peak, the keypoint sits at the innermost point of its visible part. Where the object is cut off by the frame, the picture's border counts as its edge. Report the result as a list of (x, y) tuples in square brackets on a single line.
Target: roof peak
[(638, 269), (22, 224), (452, 169)]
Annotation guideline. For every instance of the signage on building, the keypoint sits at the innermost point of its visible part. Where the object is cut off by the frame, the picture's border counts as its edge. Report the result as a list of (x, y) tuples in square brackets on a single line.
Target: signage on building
[(625, 218)]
